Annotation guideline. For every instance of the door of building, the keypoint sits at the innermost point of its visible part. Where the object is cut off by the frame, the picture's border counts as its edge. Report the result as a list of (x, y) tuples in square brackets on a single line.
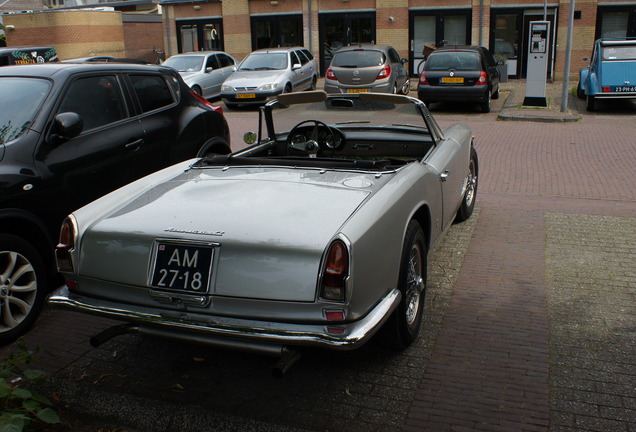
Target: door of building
[(199, 35), (434, 29), (342, 29)]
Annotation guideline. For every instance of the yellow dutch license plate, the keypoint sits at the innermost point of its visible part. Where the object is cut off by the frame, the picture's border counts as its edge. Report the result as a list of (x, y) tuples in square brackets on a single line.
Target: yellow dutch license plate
[(357, 90), (453, 80), (246, 95)]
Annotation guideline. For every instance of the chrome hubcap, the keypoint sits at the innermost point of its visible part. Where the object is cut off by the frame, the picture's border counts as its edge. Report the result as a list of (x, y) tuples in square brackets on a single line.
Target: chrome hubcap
[(471, 185), (414, 284), (18, 289)]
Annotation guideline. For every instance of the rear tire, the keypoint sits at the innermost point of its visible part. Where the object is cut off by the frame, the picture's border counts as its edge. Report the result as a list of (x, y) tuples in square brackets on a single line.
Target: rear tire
[(579, 92), (404, 324), (470, 196), (215, 146), (23, 286), (591, 103), (406, 88), (485, 106)]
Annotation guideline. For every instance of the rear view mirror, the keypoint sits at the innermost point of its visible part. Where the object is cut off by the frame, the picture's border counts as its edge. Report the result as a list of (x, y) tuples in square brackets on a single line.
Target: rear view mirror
[(66, 126), (296, 66)]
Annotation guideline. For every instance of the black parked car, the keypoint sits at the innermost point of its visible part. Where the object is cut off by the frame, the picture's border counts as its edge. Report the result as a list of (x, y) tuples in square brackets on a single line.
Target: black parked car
[(459, 74), (70, 133)]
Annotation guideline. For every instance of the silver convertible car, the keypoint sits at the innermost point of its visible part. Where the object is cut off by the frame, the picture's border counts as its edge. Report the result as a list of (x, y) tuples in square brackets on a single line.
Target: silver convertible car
[(318, 233)]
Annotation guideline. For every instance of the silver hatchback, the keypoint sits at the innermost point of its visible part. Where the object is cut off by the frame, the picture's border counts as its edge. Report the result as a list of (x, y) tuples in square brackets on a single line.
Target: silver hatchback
[(266, 73), (203, 71), (367, 68)]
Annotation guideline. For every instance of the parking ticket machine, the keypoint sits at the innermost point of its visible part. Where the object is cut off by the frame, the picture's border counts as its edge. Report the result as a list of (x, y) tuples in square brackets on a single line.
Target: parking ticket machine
[(537, 71)]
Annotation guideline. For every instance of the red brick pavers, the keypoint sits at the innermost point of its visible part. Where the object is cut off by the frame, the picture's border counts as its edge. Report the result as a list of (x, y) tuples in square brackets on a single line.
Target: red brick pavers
[(490, 366), (489, 370)]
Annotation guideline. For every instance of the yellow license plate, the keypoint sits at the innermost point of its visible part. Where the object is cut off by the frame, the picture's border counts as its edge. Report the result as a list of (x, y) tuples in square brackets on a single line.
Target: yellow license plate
[(357, 90), (246, 95), (453, 80)]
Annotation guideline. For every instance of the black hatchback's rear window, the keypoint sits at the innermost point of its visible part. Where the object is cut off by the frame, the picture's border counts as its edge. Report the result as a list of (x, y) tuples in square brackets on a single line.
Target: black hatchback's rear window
[(456, 60)]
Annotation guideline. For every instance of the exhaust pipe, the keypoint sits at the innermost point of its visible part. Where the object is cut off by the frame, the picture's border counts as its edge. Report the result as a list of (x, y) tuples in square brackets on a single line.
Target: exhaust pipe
[(288, 358), (111, 332)]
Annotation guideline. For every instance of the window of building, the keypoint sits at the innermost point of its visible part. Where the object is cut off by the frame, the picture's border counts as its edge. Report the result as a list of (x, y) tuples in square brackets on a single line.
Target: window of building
[(277, 31), (616, 22), (437, 28), (199, 35)]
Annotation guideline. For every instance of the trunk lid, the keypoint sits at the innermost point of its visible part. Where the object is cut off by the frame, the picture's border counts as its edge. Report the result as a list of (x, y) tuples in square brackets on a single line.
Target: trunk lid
[(271, 227)]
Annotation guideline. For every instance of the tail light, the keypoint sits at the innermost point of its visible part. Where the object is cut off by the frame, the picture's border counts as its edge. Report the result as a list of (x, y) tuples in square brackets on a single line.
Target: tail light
[(330, 75), (423, 79), (66, 246), (335, 272), (605, 89), (385, 72), (206, 102), (483, 79)]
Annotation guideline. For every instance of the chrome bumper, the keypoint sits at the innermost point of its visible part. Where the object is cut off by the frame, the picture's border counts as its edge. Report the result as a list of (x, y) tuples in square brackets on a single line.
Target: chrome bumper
[(233, 332)]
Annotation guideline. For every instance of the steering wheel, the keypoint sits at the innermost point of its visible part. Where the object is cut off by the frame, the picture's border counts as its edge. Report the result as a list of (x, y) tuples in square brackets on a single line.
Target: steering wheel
[(310, 144)]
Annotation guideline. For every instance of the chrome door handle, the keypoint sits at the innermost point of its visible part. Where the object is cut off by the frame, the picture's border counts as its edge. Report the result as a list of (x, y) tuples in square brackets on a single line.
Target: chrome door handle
[(444, 175)]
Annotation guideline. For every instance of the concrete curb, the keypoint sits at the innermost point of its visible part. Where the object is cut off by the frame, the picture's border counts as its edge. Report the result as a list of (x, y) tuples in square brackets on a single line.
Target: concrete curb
[(512, 112)]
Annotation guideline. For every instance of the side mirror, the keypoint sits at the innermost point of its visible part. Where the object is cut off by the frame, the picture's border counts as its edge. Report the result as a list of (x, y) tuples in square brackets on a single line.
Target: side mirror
[(208, 69), (296, 66), (586, 59), (66, 125)]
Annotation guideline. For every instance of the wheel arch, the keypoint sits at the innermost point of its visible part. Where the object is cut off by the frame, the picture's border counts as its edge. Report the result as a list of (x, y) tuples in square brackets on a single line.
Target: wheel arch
[(30, 228), (423, 216), (216, 145)]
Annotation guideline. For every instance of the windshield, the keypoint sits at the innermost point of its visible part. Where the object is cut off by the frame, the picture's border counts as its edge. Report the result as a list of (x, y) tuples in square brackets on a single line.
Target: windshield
[(264, 61), (456, 60), (21, 99), (619, 52), (358, 58), (185, 63), (366, 111)]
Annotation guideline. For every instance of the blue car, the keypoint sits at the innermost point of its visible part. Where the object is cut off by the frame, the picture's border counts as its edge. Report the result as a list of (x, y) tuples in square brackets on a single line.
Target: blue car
[(611, 73)]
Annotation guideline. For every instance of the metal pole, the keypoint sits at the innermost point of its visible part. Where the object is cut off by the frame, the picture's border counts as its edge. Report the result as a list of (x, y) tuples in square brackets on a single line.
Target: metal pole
[(568, 55), (481, 19)]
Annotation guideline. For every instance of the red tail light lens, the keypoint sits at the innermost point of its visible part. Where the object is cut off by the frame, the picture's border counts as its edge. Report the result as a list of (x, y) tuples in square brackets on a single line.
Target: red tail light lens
[(423, 79), (606, 89), (330, 75), (66, 245), (385, 72), (203, 100), (483, 79), (335, 272)]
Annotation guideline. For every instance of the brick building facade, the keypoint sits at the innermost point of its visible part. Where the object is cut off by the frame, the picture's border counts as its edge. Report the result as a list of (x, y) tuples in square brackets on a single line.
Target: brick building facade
[(83, 33), (240, 26)]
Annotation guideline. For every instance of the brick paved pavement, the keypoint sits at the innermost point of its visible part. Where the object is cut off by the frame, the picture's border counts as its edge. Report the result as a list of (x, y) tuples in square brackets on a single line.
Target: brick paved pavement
[(531, 321)]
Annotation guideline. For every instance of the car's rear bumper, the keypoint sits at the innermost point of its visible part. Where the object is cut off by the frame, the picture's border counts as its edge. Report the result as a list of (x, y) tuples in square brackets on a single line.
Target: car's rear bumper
[(453, 94), (383, 86), (615, 95), (237, 332)]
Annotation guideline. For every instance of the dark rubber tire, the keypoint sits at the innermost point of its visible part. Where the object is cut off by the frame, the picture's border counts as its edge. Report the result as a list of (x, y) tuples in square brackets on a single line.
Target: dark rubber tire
[(404, 324), (23, 287), (470, 196)]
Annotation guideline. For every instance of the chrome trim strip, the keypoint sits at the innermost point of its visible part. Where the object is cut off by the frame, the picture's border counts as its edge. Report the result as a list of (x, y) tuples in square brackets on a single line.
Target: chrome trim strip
[(355, 333)]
